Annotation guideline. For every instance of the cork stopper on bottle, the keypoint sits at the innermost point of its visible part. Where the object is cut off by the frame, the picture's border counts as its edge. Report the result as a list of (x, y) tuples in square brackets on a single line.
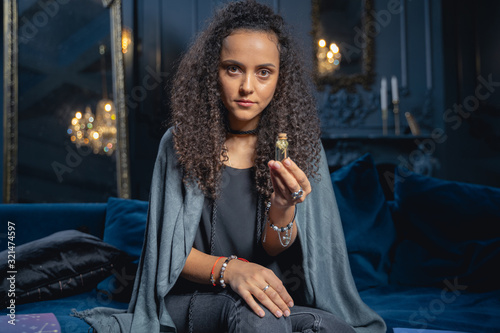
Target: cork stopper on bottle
[(282, 136)]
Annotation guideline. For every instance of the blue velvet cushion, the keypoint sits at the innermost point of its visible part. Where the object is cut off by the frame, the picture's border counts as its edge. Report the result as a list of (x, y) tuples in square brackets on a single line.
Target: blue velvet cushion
[(366, 220), (62, 264), (125, 225), (124, 228), (448, 231)]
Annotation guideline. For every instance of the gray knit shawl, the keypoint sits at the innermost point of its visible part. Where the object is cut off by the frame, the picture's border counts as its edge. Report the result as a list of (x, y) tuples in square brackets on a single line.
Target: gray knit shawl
[(173, 218)]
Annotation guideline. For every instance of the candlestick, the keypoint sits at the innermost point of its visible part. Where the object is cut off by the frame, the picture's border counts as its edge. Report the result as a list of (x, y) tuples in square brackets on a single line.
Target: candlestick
[(383, 104), (383, 93), (395, 102), (394, 87), (414, 128), (396, 117), (384, 121)]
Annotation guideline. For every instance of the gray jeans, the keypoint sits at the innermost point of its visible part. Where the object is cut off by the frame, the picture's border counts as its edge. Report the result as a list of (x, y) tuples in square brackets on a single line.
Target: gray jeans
[(226, 311)]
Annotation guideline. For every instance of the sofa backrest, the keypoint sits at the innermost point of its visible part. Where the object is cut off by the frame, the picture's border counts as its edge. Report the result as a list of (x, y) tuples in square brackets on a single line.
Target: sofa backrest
[(33, 221)]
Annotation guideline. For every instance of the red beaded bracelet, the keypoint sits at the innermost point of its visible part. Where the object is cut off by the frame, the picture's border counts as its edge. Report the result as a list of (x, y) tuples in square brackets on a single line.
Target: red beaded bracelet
[(212, 274)]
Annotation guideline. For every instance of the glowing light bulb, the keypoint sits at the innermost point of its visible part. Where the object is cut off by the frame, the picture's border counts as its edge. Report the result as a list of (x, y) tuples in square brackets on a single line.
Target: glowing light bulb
[(107, 107), (322, 43), (334, 48), (126, 39), (78, 115)]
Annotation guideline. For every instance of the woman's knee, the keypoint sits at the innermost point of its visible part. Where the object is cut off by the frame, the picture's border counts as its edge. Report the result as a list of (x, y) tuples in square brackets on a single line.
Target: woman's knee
[(244, 320), (305, 319), (331, 323)]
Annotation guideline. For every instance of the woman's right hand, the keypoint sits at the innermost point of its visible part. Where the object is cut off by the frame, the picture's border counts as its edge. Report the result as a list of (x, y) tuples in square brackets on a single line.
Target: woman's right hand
[(249, 281)]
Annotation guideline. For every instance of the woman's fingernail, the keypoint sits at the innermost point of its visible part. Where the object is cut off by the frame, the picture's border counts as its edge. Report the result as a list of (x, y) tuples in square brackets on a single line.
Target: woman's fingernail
[(279, 313), (290, 304), (287, 313), (261, 313), (287, 162)]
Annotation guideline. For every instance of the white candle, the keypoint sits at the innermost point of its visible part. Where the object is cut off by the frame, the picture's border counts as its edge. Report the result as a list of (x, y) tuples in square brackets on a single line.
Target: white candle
[(383, 94), (394, 85)]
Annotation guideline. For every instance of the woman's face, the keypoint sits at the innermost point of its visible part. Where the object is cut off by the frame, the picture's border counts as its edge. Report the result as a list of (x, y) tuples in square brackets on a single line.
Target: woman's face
[(248, 73)]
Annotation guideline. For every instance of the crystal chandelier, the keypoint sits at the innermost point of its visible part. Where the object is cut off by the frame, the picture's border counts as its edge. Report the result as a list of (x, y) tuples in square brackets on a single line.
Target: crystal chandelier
[(328, 58), (96, 131), (99, 131)]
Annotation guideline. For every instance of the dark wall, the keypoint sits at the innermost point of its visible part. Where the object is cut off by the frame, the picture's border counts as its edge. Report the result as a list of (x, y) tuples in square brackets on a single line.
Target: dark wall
[(459, 46), (1, 101), (472, 82), (451, 49)]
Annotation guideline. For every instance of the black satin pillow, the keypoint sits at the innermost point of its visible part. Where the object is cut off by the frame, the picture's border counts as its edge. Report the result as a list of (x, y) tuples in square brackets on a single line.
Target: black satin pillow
[(65, 263)]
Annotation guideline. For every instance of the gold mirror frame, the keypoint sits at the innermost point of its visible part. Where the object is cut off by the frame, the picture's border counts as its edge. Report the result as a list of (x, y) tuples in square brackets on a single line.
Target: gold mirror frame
[(10, 117), (337, 81)]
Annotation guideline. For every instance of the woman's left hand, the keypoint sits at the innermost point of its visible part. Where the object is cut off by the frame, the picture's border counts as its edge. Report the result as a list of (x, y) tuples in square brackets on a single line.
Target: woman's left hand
[(288, 179)]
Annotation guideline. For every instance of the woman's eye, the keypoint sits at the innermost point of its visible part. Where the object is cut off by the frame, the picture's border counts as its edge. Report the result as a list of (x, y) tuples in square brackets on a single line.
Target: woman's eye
[(232, 69), (264, 73)]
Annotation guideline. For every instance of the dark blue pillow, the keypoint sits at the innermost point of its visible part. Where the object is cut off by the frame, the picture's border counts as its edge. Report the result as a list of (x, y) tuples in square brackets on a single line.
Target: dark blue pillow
[(125, 225), (447, 231), (366, 220), (65, 263), (124, 228)]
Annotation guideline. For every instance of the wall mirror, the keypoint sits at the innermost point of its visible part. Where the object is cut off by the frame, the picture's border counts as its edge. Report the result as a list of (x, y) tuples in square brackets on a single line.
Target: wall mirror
[(65, 129), (343, 36)]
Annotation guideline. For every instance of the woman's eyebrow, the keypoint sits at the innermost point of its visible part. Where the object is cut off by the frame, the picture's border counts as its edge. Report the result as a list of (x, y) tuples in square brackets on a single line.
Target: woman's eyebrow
[(230, 61)]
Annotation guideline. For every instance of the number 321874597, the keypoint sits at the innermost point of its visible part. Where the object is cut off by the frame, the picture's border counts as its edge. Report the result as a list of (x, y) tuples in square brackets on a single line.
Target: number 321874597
[(11, 246)]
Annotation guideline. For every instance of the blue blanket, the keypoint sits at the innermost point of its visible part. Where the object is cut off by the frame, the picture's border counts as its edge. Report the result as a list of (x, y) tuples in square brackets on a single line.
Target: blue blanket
[(435, 308), (62, 309)]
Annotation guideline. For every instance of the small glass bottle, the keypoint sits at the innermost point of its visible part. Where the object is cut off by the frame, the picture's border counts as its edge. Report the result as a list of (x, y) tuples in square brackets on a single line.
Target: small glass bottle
[(281, 147)]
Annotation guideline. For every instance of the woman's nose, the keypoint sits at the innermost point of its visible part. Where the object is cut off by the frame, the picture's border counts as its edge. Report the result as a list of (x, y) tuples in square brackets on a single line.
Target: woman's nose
[(247, 87)]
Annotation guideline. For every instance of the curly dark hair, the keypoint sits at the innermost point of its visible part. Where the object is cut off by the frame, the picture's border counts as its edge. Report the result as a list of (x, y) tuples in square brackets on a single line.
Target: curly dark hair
[(198, 114)]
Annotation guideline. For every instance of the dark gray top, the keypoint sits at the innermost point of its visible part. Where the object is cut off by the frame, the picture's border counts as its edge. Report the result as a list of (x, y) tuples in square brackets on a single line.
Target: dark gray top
[(235, 217), (235, 224), (235, 228)]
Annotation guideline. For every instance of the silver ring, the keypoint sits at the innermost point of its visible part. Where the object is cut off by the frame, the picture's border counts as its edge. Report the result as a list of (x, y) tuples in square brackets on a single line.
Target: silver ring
[(265, 288), (298, 194)]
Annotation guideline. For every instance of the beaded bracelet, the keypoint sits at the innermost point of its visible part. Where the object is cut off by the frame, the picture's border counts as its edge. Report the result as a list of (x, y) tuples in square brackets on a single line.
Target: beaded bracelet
[(285, 240), (224, 266), (212, 273)]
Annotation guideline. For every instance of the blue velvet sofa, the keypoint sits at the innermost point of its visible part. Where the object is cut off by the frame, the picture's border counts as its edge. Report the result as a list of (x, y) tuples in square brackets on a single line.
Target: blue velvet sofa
[(425, 256)]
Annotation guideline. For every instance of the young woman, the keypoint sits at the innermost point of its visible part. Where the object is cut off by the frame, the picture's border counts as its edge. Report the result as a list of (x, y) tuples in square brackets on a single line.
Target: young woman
[(237, 241)]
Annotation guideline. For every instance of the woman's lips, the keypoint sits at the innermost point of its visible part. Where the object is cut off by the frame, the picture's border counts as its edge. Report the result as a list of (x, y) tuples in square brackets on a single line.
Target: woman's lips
[(245, 102)]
